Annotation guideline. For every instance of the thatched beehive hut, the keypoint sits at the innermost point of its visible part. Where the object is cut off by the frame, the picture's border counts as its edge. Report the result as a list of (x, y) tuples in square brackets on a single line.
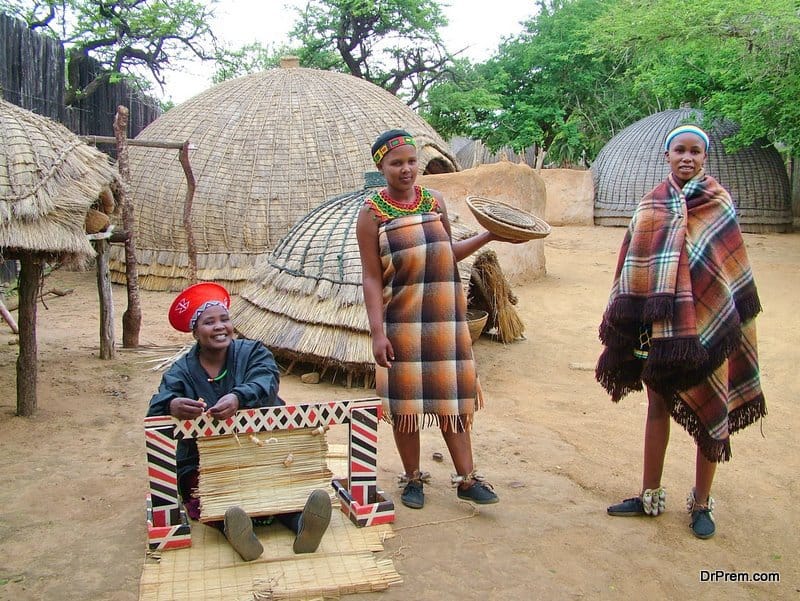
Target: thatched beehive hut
[(269, 148), (49, 180), (306, 299), (633, 162)]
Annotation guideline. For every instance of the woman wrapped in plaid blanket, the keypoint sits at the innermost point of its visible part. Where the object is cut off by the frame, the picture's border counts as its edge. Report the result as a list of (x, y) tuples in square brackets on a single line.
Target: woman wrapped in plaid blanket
[(425, 371), (680, 319)]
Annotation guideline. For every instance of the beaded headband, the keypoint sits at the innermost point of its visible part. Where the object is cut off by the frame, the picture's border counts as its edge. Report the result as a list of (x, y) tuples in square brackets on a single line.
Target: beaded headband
[(391, 145), (686, 129), (201, 309)]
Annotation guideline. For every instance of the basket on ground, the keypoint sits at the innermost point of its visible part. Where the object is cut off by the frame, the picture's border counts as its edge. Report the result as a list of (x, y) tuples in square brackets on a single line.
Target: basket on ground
[(506, 220), (476, 320)]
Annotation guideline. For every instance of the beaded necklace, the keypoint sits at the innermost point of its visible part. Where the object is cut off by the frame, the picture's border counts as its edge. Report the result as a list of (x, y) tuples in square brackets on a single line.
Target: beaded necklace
[(222, 374), (387, 208)]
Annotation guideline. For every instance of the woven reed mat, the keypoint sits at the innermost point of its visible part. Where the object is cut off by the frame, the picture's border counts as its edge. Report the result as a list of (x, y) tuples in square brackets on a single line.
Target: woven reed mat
[(263, 474), (346, 562)]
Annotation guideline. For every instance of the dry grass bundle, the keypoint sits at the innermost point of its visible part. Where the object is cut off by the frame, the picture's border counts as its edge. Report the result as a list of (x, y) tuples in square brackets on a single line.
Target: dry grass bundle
[(265, 473), (490, 291)]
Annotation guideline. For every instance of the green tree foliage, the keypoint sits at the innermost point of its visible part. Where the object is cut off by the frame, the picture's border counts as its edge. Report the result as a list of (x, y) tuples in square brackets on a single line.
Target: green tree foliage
[(394, 44), (548, 90), (127, 37), (735, 59), (583, 69)]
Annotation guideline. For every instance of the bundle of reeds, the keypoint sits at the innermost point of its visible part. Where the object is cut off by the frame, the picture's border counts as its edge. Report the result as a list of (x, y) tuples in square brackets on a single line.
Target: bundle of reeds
[(265, 473), (490, 290)]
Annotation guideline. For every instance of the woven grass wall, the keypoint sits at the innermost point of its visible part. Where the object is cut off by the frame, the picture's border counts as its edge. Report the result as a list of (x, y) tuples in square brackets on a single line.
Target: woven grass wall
[(269, 148), (633, 162)]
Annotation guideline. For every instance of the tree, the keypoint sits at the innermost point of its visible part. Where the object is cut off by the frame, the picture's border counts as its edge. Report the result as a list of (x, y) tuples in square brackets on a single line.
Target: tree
[(247, 59), (543, 88), (735, 59), (394, 44), (126, 37)]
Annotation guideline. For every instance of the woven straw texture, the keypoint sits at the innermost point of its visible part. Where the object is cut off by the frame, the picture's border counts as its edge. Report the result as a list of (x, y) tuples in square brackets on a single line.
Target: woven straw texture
[(210, 570), (632, 163), (234, 468), (49, 179), (506, 220), (306, 300), (270, 147)]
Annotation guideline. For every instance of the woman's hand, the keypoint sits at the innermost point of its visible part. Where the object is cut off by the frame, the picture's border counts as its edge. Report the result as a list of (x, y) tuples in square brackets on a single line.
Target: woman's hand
[(382, 350), (184, 408), (497, 238), (225, 407)]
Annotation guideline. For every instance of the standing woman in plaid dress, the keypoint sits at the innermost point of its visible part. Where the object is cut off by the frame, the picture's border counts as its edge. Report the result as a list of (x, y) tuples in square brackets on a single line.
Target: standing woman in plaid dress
[(425, 371), (680, 319)]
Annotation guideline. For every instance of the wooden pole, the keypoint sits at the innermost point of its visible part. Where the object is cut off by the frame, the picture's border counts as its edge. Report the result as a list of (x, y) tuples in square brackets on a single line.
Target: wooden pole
[(8, 317), (106, 301), (132, 317), (30, 278), (191, 247)]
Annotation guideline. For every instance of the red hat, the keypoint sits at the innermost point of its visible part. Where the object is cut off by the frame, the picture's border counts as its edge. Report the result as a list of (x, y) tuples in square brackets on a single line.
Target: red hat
[(195, 299)]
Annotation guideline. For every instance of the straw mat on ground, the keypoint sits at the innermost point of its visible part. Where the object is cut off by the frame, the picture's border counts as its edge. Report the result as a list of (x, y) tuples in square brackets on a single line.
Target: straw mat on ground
[(210, 570)]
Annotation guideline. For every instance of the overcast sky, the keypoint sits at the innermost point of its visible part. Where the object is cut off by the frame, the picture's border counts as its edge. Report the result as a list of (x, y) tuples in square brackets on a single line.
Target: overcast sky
[(478, 25)]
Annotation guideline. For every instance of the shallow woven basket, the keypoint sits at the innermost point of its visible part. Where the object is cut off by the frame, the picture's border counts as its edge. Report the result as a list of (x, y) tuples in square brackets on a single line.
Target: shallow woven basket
[(476, 320), (506, 220)]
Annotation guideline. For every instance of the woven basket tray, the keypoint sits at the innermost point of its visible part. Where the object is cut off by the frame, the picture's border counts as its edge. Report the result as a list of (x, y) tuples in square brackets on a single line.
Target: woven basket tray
[(506, 220)]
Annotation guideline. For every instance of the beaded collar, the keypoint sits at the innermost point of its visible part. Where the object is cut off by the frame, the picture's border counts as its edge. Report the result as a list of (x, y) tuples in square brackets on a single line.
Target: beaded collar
[(386, 208)]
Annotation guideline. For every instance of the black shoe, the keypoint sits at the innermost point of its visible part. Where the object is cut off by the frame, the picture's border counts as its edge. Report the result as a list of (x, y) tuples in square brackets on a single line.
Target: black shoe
[(313, 522), (478, 492), (628, 507), (412, 495), (238, 529), (703, 523)]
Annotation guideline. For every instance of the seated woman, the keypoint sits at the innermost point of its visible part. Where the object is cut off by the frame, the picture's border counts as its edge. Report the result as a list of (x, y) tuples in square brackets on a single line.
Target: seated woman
[(220, 375)]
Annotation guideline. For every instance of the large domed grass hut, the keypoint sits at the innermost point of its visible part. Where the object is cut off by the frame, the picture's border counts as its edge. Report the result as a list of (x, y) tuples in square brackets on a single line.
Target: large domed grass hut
[(269, 148), (632, 163), (49, 180)]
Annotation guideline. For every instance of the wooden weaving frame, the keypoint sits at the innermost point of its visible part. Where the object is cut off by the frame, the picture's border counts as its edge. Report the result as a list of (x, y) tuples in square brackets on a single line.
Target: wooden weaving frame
[(359, 497)]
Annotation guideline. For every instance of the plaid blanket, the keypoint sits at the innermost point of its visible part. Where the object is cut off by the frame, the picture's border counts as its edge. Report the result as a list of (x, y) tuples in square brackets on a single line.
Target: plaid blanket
[(683, 277), (433, 378)]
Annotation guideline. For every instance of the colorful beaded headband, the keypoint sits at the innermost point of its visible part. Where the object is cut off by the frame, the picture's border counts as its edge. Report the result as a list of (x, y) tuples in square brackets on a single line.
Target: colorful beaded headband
[(391, 145), (686, 129)]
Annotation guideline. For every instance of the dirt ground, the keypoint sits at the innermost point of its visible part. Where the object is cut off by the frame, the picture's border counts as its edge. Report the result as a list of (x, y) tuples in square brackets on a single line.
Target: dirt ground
[(558, 451)]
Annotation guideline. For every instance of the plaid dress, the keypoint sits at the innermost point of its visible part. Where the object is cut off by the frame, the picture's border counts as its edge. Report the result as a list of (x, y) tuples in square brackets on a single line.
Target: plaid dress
[(683, 275), (433, 378)]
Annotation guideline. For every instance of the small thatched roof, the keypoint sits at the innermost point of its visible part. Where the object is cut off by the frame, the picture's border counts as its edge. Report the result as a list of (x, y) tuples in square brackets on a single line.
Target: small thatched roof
[(49, 179), (306, 300), (269, 148), (471, 153), (632, 163)]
